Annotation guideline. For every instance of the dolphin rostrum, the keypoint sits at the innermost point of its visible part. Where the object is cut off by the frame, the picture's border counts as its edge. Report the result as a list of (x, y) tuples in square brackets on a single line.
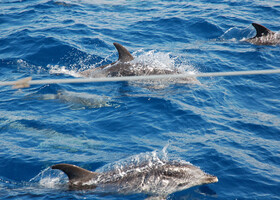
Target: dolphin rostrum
[(126, 66), (264, 36), (154, 179)]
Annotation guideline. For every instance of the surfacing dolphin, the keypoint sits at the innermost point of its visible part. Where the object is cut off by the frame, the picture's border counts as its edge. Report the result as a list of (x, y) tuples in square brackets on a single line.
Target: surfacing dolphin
[(157, 180), (264, 36), (125, 66)]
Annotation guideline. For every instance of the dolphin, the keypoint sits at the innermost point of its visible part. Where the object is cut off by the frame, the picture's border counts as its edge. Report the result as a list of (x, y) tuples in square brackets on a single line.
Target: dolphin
[(76, 100), (154, 179), (264, 36), (125, 66)]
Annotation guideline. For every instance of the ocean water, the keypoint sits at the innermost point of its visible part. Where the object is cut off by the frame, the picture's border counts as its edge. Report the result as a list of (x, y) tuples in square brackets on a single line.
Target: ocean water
[(227, 126)]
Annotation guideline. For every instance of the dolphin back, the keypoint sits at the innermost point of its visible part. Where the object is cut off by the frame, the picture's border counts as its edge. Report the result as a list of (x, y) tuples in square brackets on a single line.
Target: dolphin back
[(124, 55), (77, 175), (261, 30)]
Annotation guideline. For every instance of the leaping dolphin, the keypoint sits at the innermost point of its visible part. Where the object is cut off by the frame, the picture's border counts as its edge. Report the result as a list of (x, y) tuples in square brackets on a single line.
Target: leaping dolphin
[(264, 36), (125, 66), (156, 179)]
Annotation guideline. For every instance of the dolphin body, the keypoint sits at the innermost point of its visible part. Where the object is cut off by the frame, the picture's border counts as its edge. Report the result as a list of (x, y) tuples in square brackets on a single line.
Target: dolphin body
[(125, 66), (76, 100), (157, 180), (264, 36)]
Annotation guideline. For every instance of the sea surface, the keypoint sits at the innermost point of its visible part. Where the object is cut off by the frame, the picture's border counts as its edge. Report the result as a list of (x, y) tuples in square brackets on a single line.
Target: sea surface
[(227, 126)]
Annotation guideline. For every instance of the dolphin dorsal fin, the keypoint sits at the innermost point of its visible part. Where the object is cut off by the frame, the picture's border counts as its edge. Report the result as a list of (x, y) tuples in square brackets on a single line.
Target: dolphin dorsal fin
[(74, 172), (124, 55), (261, 30)]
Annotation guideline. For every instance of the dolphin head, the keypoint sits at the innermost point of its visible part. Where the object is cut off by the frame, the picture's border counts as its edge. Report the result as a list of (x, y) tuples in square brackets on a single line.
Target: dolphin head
[(185, 175), (166, 177), (209, 179)]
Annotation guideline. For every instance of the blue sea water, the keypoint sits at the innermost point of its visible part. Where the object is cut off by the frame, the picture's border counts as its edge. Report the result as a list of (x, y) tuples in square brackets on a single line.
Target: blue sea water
[(228, 126)]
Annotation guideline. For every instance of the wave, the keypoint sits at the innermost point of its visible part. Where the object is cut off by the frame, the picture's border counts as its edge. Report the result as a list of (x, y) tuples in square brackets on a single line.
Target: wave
[(180, 29)]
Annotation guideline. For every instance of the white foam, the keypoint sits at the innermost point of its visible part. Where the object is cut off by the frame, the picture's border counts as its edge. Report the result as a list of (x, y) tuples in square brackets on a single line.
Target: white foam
[(158, 61), (50, 182), (56, 69), (151, 158), (22, 64), (49, 178)]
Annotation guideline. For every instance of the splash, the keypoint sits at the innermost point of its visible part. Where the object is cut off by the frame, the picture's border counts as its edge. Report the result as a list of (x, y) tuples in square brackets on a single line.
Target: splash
[(22, 65), (234, 34), (56, 69), (149, 62), (153, 61), (160, 61), (51, 179), (150, 158)]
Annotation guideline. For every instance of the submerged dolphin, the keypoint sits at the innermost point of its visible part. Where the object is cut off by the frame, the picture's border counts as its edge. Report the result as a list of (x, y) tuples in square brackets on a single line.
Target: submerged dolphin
[(125, 66), (76, 100), (264, 36), (157, 179)]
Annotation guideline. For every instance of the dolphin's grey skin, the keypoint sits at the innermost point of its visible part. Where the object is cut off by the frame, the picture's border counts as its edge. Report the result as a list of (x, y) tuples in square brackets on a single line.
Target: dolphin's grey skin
[(125, 66), (264, 36), (118, 68), (76, 100), (157, 180)]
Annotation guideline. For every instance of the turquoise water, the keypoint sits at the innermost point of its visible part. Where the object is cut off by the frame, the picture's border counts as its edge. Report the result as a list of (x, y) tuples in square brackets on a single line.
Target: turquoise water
[(228, 126)]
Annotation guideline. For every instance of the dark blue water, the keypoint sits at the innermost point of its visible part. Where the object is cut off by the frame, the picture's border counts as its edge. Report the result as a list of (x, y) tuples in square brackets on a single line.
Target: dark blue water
[(228, 126)]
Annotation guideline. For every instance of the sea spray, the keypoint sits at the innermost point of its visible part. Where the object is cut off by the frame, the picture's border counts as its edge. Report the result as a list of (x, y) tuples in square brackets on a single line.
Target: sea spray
[(49, 178)]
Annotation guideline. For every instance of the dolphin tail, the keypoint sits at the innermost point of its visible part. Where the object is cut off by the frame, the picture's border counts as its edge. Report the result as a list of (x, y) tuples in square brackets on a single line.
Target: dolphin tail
[(261, 30), (124, 55), (76, 175)]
